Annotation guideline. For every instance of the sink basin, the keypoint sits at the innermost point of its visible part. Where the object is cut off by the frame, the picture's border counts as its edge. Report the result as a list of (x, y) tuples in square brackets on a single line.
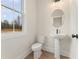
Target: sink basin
[(60, 36)]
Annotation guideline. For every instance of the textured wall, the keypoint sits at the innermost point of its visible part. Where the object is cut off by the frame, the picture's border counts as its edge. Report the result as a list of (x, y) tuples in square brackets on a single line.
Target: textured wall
[(45, 9)]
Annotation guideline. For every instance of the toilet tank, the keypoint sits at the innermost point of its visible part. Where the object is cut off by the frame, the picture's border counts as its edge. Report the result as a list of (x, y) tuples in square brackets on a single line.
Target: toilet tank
[(41, 39)]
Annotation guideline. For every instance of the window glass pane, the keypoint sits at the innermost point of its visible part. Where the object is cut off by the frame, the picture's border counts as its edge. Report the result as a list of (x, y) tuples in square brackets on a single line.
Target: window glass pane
[(11, 19), (8, 3), (6, 20), (18, 21), (18, 5)]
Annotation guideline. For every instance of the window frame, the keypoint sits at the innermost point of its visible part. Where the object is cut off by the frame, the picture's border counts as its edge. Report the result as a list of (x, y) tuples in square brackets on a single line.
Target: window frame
[(14, 34), (14, 10)]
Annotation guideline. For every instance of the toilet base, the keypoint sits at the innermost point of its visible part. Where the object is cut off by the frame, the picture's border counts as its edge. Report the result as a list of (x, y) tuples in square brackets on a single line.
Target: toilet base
[(37, 54)]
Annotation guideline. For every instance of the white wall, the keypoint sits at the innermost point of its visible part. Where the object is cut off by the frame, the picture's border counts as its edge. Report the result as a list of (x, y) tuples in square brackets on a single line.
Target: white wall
[(18, 47), (45, 27)]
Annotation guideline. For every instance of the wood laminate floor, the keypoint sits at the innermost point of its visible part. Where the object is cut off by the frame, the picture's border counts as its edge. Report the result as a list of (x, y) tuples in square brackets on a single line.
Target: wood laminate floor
[(45, 55)]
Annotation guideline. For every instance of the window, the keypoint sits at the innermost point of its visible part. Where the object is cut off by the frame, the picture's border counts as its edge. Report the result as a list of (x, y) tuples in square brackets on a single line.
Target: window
[(11, 15)]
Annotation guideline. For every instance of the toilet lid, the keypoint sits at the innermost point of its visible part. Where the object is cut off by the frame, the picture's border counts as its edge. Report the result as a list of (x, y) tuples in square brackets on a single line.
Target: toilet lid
[(36, 45)]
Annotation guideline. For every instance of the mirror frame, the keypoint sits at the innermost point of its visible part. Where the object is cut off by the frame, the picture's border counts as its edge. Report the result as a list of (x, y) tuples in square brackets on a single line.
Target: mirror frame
[(57, 14)]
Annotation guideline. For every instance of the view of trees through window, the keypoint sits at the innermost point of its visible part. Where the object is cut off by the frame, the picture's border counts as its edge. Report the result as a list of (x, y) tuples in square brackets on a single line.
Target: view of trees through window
[(11, 15)]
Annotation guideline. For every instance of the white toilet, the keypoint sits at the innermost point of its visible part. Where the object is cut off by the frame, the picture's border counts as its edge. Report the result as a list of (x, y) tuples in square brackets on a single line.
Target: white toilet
[(36, 48)]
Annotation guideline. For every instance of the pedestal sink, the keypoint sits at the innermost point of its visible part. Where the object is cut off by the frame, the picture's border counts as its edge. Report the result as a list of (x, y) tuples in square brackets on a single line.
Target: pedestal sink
[(57, 23), (57, 45)]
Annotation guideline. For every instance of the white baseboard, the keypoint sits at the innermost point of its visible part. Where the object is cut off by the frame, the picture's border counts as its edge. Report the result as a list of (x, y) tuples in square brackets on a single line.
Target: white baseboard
[(51, 50), (48, 49), (65, 53), (24, 54)]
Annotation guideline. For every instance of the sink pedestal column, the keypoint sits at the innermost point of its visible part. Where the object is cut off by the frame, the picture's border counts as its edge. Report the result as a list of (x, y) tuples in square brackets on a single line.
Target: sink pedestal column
[(57, 48)]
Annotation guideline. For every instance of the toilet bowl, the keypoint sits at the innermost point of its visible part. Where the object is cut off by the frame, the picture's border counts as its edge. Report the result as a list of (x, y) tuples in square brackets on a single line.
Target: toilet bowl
[(36, 47)]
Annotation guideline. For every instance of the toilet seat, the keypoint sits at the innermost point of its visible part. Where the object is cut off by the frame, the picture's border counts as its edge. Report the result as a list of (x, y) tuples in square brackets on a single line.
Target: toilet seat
[(36, 46)]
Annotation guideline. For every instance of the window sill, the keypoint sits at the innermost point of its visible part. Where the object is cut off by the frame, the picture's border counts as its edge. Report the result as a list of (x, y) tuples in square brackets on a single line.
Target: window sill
[(12, 35)]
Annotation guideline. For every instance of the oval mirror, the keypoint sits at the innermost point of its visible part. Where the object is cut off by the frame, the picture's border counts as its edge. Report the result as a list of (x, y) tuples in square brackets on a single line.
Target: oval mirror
[(57, 18)]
